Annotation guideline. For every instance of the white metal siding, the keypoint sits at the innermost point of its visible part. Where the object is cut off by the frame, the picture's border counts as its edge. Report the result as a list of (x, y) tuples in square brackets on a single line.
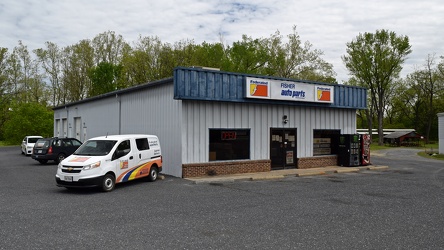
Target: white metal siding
[(198, 117), (149, 111), (154, 111), (100, 118)]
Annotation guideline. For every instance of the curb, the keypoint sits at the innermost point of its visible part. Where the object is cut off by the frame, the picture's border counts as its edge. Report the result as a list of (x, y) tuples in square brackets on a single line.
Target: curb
[(373, 168), (273, 177), (377, 168), (311, 174), (351, 170)]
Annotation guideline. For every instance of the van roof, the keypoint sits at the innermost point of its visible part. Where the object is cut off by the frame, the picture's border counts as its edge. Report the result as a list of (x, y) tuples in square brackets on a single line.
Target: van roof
[(121, 137)]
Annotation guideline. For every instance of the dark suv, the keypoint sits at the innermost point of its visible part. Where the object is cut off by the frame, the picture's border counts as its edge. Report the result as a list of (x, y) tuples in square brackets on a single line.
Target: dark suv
[(55, 149)]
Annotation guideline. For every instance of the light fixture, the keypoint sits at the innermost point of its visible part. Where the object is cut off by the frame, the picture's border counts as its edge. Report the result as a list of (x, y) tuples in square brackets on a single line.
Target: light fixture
[(285, 119)]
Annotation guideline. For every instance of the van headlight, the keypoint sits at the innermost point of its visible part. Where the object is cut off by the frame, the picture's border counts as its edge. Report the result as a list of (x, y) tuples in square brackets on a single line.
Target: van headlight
[(91, 166)]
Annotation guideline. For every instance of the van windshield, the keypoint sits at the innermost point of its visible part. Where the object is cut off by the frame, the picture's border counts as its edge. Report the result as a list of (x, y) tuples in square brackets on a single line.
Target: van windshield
[(95, 148)]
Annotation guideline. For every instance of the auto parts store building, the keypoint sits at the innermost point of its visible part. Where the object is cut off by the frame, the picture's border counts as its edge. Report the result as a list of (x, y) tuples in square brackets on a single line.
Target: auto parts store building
[(214, 122)]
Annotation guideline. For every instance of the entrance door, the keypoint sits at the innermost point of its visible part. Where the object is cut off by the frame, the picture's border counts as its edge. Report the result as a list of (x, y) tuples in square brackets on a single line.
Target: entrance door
[(283, 148)]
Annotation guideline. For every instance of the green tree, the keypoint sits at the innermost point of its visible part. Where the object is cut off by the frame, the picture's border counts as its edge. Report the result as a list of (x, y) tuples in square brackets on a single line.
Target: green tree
[(248, 55), (51, 61), (142, 63), (27, 72), (109, 47), (375, 60), (210, 55), (428, 85), (5, 88), (294, 59), (402, 107), (104, 78), (77, 60), (28, 119)]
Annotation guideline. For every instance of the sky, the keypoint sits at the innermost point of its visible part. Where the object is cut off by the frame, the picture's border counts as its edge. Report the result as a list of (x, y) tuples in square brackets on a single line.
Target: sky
[(327, 25)]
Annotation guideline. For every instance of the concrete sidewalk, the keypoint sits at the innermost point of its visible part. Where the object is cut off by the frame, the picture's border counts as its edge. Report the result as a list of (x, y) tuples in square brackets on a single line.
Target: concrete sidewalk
[(279, 174)]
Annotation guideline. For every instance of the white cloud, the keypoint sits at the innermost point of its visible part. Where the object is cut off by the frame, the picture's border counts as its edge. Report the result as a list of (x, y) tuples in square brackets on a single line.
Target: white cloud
[(327, 25)]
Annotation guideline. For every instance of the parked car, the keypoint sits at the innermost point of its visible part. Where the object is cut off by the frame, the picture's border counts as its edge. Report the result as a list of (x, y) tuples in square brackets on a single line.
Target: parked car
[(28, 144), (54, 149)]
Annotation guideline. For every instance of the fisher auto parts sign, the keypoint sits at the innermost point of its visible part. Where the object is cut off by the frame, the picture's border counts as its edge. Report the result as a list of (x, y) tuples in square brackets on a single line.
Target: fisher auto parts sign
[(288, 91)]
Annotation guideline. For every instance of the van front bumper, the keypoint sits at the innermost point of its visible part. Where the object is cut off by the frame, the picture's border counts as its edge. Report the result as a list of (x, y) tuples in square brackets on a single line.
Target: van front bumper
[(81, 183)]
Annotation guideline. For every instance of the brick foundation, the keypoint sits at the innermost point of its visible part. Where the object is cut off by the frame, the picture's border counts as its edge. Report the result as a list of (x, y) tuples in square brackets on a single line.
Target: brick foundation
[(318, 161), (247, 166), (225, 167)]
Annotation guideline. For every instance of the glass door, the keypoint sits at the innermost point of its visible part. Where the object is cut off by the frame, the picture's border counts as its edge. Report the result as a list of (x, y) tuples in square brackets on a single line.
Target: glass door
[(283, 148)]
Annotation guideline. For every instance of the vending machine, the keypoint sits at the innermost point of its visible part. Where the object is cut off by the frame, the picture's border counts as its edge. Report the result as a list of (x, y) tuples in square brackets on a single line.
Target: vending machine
[(349, 150), (365, 149)]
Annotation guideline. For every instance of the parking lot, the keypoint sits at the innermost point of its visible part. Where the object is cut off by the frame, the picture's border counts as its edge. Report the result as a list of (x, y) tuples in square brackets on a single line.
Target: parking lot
[(399, 208)]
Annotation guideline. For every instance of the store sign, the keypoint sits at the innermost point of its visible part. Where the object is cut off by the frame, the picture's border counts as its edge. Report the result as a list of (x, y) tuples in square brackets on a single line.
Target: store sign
[(258, 88), (288, 91)]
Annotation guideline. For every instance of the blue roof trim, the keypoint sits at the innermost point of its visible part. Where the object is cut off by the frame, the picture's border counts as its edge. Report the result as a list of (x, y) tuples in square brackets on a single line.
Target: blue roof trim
[(213, 85)]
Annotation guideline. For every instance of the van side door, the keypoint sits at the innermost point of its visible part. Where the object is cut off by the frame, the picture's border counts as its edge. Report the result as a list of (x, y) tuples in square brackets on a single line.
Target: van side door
[(124, 161), (144, 153)]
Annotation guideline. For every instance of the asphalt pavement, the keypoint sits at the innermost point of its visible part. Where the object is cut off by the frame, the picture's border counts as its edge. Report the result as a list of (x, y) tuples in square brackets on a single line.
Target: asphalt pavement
[(369, 207)]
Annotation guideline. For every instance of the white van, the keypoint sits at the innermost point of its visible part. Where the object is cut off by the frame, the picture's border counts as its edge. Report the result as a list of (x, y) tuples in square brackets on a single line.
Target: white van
[(107, 160)]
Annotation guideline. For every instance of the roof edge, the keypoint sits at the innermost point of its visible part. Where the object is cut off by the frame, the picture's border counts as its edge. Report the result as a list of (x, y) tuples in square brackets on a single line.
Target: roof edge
[(117, 92)]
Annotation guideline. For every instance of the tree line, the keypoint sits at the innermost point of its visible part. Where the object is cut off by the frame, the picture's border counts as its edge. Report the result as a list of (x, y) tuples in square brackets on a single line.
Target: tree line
[(52, 75)]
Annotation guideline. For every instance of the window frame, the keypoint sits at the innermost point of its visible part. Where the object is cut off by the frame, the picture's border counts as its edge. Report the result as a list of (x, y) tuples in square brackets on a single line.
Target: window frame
[(234, 145)]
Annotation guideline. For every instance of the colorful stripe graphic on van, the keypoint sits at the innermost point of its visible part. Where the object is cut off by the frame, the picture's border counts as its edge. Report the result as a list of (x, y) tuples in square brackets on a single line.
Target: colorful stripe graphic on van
[(137, 172), (134, 173)]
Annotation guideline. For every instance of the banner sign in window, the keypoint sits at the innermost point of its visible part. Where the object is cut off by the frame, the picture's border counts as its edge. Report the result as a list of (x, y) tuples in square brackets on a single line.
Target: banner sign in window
[(288, 91)]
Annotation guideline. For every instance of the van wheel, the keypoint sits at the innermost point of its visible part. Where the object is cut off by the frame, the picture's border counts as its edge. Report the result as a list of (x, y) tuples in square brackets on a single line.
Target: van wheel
[(108, 183), (153, 174)]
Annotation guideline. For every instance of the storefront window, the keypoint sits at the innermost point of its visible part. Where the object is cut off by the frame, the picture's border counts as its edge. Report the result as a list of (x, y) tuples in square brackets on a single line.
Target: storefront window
[(229, 144), (325, 141)]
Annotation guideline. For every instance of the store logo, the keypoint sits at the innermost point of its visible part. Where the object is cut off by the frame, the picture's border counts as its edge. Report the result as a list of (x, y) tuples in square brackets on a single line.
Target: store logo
[(123, 164), (258, 88), (323, 94)]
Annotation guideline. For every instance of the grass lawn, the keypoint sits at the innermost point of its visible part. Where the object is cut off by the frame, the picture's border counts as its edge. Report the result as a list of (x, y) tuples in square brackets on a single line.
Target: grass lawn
[(2, 144)]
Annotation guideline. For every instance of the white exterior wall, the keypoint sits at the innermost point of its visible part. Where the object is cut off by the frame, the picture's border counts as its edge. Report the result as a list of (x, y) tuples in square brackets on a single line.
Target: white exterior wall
[(441, 132), (96, 119), (198, 117), (154, 111), (148, 111)]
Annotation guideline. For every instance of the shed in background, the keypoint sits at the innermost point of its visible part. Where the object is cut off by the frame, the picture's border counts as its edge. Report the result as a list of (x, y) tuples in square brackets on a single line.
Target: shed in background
[(403, 138)]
